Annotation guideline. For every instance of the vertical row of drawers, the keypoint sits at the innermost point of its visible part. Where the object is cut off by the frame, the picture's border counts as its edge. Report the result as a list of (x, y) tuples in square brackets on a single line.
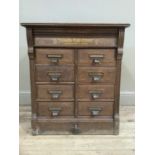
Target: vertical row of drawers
[(96, 79), (55, 82)]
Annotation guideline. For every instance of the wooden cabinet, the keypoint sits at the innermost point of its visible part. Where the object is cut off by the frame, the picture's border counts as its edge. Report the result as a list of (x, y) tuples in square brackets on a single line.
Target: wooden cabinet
[(75, 77)]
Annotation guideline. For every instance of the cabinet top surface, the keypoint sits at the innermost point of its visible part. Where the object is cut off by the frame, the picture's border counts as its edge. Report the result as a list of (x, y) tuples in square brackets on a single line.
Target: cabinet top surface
[(114, 25)]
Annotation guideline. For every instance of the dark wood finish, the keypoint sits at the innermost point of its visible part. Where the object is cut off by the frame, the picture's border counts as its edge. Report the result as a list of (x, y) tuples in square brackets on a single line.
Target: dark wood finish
[(75, 25), (118, 78), (42, 56), (86, 57), (85, 92), (67, 92), (106, 108), (96, 75), (100, 128), (86, 128), (44, 108), (75, 74), (76, 83), (75, 42), (58, 128), (57, 74)]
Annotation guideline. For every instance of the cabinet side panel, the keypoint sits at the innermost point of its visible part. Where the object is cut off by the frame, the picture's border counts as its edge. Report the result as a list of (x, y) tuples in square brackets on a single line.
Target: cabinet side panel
[(119, 54), (31, 54)]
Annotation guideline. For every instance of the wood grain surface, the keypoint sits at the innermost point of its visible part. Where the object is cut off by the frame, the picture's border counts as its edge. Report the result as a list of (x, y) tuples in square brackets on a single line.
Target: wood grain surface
[(108, 54), (42, 53), (66, 62)]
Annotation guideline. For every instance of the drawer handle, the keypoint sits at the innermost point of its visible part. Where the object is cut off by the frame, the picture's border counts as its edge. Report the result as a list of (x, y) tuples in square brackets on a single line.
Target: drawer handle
[(95, 111), (95, 94), (96, 59), (96, 76), (55, 58), (75, 129), (55, 94), (55, 111), (54, 76)]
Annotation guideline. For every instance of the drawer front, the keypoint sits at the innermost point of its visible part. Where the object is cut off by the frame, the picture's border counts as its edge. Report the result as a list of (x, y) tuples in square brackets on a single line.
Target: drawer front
[(96, 57), (95, 92), (54, 73), (91, 128), (107, 41), (54, 56), (55, 109), (96, 128), (55, 92), (47, 128), (95, 109), (96, 74)]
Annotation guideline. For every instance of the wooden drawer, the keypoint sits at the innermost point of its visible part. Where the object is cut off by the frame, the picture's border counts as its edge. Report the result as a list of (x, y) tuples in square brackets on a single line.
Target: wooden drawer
[(45, 73), (101, 128), (95, 109), (104, 41), (95, 92), (55, 92), (46, 128), (55, 109), (96, 57), (54, 56), (96, 74), (96, 127)]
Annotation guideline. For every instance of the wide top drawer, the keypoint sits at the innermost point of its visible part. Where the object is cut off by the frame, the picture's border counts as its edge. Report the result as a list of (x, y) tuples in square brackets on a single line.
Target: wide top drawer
[(104, 41), (54, 56)]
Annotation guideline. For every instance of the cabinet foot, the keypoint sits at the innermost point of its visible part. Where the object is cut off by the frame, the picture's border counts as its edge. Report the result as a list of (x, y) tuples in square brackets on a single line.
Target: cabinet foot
[(35, 132), (116, 125)]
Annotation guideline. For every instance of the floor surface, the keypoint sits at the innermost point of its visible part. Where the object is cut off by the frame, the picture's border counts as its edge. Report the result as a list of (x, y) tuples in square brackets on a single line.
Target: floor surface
[(123, 144)]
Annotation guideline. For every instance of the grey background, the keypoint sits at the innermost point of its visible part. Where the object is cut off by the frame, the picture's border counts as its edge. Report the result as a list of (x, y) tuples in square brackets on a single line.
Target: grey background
[(80, 11)]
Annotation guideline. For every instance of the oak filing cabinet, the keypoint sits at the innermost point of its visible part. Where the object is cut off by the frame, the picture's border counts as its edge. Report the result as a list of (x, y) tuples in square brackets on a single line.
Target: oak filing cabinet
[(75, 77)]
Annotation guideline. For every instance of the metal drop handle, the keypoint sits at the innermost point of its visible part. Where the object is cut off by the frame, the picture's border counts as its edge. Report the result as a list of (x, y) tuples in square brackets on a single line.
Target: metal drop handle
[(95, 76), (95, 94), (54, 76), (75, 129), (95, 111), (55, 111), (96, 59), (55, 58), (55, 94)]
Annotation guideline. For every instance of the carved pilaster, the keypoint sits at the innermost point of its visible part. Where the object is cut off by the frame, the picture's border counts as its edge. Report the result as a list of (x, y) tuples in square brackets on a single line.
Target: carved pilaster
[(118, 77), (31, 53), (30, 43), (120, 41), (119, 54)]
